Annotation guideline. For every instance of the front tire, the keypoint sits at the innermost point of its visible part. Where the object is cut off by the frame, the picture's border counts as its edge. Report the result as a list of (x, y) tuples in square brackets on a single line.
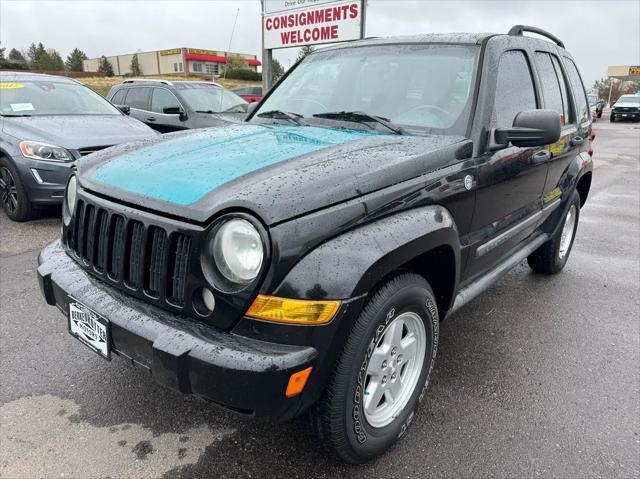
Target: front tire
[(13, 197), (612, 118), (552, 256), (382, 374)]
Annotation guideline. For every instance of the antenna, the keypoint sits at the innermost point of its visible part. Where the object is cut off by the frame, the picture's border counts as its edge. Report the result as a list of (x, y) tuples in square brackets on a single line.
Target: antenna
[(226, 65)]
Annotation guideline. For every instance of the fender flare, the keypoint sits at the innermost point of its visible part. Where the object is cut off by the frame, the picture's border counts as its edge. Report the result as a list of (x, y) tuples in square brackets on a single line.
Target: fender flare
[(350, 264)]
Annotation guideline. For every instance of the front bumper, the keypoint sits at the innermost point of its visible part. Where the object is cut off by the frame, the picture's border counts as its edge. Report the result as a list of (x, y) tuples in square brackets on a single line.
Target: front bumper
[(44, 181), (240, 373), (631, 114)]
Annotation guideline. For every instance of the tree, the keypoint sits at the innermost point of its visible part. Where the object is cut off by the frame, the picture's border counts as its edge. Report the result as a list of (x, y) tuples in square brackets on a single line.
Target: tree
[(74, 60), (135, 66), (3, 61), (105, 67), (304, 51), (36, 56), (617, 88), (236, 62), (276, 70), (51, 61), (16, 57)]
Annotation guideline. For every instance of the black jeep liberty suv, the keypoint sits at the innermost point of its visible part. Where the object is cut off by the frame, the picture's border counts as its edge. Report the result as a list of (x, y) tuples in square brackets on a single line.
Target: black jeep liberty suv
[(300, 262)]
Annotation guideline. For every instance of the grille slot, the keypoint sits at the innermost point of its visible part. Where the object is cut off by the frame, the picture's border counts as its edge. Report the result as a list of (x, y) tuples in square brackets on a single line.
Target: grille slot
[(136, 258), (178, 263), (131, 255), (156, 261)]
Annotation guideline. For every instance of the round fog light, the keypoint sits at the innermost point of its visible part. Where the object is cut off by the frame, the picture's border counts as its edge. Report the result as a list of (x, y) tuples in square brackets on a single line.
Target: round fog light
[(208, 299)]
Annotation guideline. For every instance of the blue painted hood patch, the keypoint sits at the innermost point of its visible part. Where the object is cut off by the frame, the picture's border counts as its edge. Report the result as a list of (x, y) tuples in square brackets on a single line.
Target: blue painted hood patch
[(183, 169)]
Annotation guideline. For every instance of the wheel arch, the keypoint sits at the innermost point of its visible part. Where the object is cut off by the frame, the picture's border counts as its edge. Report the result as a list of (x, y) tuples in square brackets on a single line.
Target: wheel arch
[(583, 186), (420, 240)]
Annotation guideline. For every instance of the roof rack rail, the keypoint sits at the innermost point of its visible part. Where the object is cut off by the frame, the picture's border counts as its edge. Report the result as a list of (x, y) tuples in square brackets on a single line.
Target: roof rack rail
[(134, 80), (517, 30)]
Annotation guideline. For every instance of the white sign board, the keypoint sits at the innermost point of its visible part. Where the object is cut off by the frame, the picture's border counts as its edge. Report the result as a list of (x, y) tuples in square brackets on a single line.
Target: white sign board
[(319, 22), (278, 6)]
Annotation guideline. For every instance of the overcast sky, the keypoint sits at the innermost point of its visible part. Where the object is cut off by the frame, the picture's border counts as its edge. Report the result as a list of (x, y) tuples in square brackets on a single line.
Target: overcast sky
[(597, 33)]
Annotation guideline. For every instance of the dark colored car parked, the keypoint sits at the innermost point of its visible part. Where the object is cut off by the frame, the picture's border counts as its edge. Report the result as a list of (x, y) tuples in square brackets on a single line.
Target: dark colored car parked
[(46, 123), (301, 262), (249, 94), (626, 108), (596, 104), (179, 105)]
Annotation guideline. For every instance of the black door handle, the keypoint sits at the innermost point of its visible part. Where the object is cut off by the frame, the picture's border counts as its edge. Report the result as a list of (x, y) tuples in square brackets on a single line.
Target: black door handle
[(151, 118), (577, 140)]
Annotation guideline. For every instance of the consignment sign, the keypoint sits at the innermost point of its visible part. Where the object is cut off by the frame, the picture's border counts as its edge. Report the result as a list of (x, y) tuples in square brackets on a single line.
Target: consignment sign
[(293, 23)]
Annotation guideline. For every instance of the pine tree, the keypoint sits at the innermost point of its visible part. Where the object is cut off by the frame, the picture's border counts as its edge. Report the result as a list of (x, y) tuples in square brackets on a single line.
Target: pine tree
[(105, 67), (74, 60), (15, 56), (135, 66)]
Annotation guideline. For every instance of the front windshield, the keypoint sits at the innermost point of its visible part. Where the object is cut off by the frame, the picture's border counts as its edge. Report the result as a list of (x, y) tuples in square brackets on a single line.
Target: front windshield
[(210, 98), (593, 99), (423, 88), (51, 97), (629, 99)]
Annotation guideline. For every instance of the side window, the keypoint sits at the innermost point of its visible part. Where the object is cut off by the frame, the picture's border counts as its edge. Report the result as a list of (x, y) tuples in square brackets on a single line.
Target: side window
[(161, 99), (514, 90), (550, 84), (118, 98), (138, 97), (568, 113), (582, 107)]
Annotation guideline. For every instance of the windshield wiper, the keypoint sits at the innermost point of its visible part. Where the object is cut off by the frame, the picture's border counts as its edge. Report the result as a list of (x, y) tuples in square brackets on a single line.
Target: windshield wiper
[(361, 117), (206, 111), (284, 115), (13, 116)]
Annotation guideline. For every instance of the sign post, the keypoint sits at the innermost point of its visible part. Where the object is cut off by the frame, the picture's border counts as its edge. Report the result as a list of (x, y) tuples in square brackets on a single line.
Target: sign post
[(296, 23)]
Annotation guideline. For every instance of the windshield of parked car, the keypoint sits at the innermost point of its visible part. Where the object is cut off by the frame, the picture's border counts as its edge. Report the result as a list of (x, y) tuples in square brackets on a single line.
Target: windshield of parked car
[(593, 99), (207, 97), (50, 97), (423, 88), (629, 99)]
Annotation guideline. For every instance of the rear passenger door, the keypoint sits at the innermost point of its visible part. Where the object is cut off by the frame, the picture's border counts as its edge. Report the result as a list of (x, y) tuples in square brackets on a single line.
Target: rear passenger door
[(510, 179), (138, 101)]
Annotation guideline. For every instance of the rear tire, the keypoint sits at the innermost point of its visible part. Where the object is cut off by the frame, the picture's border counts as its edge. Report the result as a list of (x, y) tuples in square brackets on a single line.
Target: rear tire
[(13, 197), (382, 374), (552, 256)]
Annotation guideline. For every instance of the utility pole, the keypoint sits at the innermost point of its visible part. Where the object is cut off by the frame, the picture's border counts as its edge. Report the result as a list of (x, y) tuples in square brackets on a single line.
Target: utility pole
[(267, 59)]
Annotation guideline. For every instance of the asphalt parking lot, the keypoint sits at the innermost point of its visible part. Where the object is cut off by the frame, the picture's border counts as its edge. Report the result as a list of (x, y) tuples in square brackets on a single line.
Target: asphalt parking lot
[(538, 377)]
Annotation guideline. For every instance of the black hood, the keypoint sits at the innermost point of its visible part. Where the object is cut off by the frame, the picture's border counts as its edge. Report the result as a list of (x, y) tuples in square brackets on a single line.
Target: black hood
[(276, 171)]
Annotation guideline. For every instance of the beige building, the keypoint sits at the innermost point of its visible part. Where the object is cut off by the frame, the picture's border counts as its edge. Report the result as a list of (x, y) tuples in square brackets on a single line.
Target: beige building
[(624, 72), (173, 61)]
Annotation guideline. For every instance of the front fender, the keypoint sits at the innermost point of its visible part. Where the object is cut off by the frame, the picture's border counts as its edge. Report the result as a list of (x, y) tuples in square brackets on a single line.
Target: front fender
[(350, 264)]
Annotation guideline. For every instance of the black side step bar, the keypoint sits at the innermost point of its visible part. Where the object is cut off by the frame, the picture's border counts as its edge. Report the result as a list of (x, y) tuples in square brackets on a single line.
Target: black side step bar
[(517, 31), (471, 291)]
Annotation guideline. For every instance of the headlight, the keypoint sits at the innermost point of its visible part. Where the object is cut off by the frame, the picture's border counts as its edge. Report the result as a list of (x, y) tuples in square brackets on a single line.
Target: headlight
[(70, 195), (237, 251), (42, 151)]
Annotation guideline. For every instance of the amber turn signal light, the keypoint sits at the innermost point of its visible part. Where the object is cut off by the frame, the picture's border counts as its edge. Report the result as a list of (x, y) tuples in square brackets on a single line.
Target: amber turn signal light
[(295, 311), (297, 382)]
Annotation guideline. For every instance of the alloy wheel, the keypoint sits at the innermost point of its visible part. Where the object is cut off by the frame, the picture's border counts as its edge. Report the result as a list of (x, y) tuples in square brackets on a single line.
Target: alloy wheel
[(394, 369), (8, 191)]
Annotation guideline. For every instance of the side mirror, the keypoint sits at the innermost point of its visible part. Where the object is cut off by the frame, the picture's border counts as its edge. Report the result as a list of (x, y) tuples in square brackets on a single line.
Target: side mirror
[(175, 110), (530, 128), (124, 109)]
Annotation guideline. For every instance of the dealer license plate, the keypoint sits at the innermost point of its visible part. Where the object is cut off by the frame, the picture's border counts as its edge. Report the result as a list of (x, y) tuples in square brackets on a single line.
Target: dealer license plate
[(90, 328)]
